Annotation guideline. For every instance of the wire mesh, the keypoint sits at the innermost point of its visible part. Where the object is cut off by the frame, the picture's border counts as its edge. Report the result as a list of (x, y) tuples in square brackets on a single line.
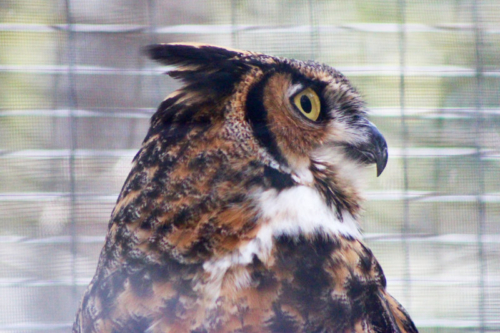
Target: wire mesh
[(76, 96)]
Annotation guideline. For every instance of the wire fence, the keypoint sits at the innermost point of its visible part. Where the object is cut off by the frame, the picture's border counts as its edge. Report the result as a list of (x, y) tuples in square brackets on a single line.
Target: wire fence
[(76, 95)]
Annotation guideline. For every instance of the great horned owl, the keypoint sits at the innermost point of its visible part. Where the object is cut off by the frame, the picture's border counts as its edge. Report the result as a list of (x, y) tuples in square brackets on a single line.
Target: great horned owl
[(240, 212)]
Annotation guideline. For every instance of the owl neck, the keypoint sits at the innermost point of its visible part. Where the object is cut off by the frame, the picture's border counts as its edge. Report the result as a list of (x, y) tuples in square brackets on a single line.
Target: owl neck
[(302, 210), (340, 194)]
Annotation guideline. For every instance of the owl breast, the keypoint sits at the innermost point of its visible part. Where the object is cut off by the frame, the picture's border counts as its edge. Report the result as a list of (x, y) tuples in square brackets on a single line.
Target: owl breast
[(293, 212)]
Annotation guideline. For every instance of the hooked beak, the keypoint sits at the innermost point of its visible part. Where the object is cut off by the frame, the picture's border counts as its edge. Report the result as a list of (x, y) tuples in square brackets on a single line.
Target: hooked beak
[(374, 151)]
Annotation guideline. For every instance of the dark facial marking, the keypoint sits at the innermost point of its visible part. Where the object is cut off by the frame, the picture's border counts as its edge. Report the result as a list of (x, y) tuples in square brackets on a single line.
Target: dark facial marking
[(277, 179), (257, 117)]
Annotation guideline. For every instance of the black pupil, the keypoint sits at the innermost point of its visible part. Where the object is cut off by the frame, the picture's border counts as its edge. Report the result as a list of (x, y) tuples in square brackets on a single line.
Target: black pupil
[(305, 102)]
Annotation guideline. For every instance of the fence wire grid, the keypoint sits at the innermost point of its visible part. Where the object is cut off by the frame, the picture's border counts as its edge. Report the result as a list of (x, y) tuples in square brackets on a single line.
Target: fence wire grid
[(76, 95)]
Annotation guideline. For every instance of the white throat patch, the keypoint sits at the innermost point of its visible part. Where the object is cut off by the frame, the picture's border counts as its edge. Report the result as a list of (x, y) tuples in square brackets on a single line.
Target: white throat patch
[(302, 210), (299, 210)]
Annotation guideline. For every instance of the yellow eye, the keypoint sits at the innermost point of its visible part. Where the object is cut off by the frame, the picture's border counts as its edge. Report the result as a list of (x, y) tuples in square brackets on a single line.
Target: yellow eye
[(308, 103)]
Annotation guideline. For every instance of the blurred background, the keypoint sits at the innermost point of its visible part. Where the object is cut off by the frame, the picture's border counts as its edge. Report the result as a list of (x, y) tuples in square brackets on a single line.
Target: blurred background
[(76, 96)]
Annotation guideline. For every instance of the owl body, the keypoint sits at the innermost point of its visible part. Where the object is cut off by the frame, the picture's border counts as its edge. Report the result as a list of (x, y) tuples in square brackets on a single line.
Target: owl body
[(240, 212)]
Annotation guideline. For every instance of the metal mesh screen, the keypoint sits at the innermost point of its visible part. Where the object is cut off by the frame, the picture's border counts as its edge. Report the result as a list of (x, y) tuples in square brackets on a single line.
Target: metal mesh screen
[(76, 96)]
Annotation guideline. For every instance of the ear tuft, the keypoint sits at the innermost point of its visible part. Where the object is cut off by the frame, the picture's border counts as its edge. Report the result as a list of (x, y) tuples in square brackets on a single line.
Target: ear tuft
[(191, 54), (211, 69)]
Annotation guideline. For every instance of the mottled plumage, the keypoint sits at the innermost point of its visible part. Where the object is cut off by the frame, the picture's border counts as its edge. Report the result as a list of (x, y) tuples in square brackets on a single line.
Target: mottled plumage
[(240, 212)]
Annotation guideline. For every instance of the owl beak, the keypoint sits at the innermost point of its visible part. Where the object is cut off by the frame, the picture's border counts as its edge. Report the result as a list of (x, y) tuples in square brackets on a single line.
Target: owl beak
[(379, 149), (373, 151)]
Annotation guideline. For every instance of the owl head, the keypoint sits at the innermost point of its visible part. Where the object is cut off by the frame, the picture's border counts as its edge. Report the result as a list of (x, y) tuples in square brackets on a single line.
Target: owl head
[(303, 116), (247, 140)]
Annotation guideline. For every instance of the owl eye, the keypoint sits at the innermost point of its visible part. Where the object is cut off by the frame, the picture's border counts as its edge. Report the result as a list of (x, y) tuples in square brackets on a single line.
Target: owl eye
[(307, 101)]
